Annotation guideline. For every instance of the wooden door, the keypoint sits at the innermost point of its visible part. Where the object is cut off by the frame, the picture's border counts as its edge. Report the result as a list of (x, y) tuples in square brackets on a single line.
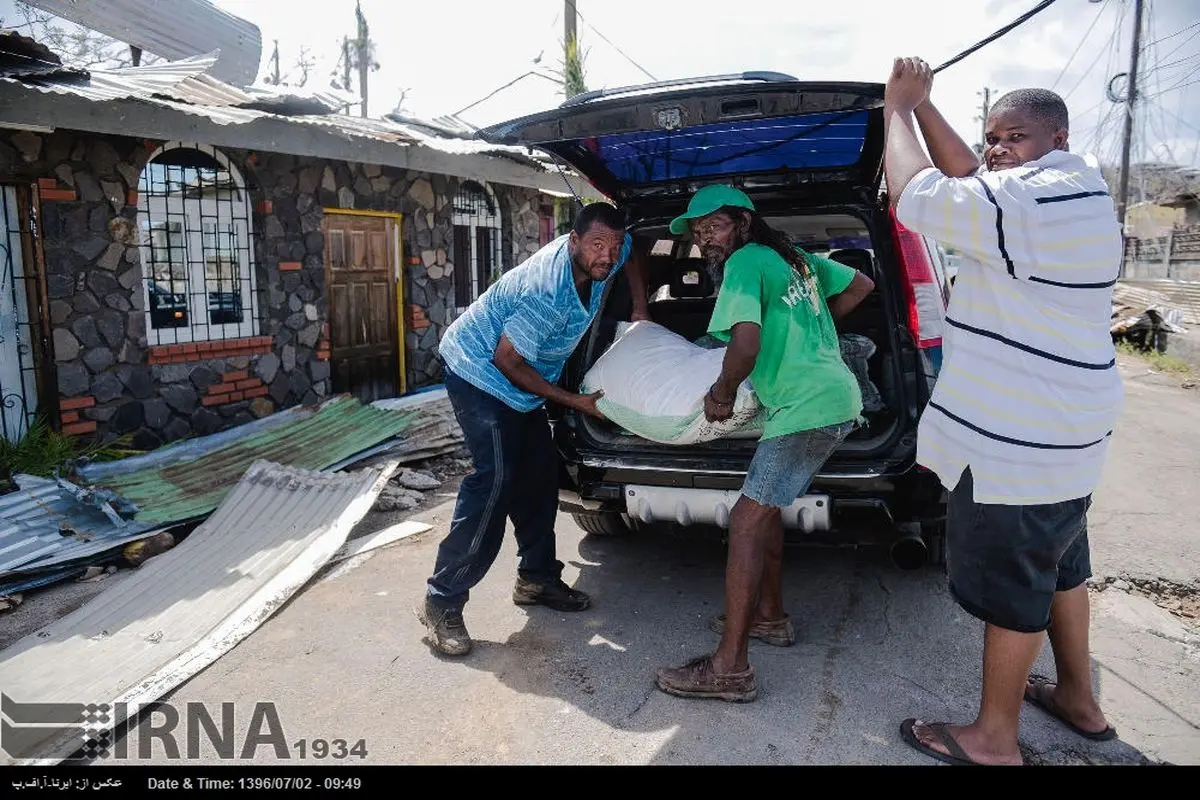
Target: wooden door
[(362, 263)]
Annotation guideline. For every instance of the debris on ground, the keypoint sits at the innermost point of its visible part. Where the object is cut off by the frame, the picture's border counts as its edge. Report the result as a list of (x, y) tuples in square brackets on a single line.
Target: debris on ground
[(1182, 600), (137, 553), (178, 613), (53, 530), (10, 601), (397, 498), (417, 480), (95, 574)]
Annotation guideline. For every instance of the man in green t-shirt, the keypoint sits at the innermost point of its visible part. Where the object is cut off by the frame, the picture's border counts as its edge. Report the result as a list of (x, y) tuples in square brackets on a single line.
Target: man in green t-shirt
[(776, 311)]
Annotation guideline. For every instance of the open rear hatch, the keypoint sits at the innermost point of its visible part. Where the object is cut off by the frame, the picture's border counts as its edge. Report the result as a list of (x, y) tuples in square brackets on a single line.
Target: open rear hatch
[(796, 147), (758, 130)]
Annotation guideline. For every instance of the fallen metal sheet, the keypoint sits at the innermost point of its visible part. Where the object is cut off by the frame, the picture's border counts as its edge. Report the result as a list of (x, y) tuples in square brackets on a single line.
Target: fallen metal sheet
[(188, 450), (427, 397), (189, 489), (184, 609), (389, 535), (49, 526)]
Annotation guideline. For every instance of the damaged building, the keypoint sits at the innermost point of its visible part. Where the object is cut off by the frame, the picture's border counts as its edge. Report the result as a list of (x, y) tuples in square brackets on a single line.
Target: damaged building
[(182, 255)]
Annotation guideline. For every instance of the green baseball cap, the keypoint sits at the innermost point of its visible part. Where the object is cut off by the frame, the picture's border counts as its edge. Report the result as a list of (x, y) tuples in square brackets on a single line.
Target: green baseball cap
[(706, 201)]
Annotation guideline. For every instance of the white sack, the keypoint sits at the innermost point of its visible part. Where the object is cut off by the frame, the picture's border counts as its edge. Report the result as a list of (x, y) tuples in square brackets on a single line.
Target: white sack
[(654, 382)]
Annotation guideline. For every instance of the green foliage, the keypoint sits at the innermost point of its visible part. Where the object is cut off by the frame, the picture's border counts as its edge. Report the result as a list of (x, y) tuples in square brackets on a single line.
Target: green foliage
[(44, 452), (573, 71)]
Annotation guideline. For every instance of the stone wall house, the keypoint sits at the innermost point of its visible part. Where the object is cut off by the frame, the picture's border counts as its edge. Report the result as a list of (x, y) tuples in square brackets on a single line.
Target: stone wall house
[(178, 285)]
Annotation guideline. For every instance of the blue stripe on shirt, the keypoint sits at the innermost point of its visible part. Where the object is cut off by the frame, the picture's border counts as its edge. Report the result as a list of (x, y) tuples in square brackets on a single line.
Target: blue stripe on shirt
[(537, 307)]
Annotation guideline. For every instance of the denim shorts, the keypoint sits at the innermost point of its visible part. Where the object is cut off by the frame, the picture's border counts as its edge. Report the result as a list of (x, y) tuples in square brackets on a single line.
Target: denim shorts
[(1005, 563), (784, 467)]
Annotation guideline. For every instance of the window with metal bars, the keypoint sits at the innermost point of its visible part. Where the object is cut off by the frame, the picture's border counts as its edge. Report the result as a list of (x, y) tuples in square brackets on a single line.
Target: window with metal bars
[(197, 253), (477, 253)]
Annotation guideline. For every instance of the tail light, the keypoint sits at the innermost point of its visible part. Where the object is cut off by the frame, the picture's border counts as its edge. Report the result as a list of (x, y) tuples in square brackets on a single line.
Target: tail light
[(922, 290)]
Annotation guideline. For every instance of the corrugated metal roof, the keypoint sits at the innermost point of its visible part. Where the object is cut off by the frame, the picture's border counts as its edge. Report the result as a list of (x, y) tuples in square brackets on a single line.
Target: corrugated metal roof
[(188, 489), (47, 527), (1182, 295), (176, 483), (186, 86), (182, 610), (188, 28)]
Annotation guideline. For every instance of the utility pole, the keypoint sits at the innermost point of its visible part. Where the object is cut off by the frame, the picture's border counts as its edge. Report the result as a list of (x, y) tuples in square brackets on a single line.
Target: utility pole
[(568, 23), (275, 63), (346, 64), (1130, 101), (983, 118), (364, 56)]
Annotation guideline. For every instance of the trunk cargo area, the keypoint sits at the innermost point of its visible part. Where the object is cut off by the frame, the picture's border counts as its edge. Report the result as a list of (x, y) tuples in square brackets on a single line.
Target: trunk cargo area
[(846, 236)]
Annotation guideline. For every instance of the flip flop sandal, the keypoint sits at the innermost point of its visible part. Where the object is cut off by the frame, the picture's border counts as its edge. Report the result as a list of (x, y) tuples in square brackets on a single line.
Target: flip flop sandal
[(1038, 683), (957, 755)]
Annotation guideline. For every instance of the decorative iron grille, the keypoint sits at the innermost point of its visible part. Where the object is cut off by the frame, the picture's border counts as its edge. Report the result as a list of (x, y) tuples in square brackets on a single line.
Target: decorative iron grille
[(197, 252), (19, 336)]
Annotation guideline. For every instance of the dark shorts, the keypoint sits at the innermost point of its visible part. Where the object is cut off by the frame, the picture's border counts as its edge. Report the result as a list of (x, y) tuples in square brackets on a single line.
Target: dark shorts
[(1006, 562)]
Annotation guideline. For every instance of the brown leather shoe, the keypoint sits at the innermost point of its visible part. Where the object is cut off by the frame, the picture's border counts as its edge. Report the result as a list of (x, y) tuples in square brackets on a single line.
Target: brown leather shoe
[(697, 679), (777, 632)]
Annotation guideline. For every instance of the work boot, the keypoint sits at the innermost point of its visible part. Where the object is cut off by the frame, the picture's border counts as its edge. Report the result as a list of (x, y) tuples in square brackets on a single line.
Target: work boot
[(447, 629), (555, 595)]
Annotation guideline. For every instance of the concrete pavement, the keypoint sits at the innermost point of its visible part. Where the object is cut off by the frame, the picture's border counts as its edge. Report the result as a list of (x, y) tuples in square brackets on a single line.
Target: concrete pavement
[(345, 659)]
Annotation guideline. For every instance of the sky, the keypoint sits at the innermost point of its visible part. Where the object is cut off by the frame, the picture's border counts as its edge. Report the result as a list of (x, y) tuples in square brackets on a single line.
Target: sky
[(447, 56)]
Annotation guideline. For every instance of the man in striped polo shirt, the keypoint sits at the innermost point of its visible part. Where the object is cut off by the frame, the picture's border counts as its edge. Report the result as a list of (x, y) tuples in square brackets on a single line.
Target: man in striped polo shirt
[(503, 358), (1020, 419)]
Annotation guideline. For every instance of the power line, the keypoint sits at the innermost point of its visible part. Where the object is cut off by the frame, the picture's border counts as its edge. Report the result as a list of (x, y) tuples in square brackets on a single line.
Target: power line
[(1082, 41), (1182, 45), (1173, 35), (1178, 118), (1114, 42), (1040, 7), (610, 43), (1177, 61), (495, 92), (1173, 88)]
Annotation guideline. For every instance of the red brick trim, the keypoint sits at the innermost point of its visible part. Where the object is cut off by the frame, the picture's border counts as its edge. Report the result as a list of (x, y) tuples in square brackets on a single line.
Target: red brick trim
[(76, 403), (47, 183), (261, 391), (202, 351), (290, 266), (69, 417), (79, 428), (234, 377), (52, 195)]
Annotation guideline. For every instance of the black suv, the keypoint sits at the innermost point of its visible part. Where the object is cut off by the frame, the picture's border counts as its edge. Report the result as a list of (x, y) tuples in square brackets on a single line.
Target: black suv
[(810, 157)]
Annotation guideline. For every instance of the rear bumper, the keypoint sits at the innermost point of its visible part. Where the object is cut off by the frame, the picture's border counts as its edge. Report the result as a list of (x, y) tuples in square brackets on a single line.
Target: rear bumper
[(843, 505)]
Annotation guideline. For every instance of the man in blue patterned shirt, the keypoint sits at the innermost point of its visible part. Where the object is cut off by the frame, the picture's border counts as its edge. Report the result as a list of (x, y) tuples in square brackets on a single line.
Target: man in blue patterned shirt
[(502, 361)]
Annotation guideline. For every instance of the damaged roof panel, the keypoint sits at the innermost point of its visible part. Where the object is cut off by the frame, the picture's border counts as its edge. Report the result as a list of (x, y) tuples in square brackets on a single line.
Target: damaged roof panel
[(53, 528), (52, 524), (175, 492), (186, 608)]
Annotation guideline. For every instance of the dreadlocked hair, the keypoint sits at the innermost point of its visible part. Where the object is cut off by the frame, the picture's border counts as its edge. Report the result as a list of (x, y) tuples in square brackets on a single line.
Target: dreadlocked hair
[(762, 233)]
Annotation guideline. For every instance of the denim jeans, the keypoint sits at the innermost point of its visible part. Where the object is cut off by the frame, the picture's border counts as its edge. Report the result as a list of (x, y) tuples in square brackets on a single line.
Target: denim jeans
[(515, 478)]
